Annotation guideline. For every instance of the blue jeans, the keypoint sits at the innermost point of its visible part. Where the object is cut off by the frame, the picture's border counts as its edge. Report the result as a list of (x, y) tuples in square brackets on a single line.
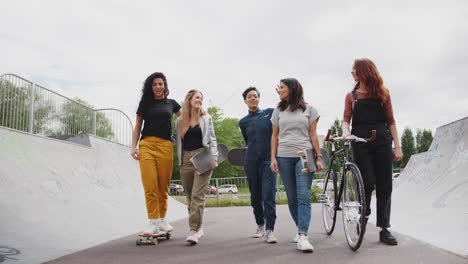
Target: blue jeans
[(262, 185), (297, 186)]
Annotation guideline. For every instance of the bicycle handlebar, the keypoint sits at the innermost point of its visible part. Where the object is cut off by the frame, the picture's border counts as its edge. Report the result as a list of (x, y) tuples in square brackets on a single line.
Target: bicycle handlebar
[(351, 138)]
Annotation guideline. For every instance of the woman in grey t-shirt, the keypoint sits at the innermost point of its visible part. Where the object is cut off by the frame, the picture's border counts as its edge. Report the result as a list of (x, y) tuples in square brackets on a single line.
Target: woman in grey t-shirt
[(294, 125)]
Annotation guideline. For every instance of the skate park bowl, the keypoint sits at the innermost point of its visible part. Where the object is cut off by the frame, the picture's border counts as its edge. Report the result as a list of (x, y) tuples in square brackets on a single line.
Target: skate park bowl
[(430, 197), (59, 197)]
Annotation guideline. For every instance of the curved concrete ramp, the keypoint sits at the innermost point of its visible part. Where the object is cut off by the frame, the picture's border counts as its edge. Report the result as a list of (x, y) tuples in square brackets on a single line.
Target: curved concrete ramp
[(58, 197), (430, 198)]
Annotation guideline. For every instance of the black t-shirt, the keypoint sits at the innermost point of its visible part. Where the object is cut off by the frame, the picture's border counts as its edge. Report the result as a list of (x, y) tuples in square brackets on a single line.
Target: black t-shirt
[(157, 115), (192, 138)]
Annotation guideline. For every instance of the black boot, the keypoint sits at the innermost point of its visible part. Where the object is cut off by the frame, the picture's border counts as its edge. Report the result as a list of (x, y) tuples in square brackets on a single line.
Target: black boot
[(387, 238)]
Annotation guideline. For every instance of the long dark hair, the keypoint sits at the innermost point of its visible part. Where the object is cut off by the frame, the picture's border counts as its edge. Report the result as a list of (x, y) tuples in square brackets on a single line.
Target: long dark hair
[(147, 91), (147, 94), (368, 74), (295, 98)]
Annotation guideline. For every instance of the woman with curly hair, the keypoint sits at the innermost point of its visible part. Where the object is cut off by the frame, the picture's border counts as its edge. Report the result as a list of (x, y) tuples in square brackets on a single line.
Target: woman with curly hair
[(155, 148), (369, 107)]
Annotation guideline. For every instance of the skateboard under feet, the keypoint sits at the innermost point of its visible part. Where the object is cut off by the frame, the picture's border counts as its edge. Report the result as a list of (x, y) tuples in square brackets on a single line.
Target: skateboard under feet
[(152, 239)]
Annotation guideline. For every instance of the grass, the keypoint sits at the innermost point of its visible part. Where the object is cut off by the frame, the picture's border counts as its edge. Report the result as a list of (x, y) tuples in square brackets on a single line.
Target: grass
[(246, 202)]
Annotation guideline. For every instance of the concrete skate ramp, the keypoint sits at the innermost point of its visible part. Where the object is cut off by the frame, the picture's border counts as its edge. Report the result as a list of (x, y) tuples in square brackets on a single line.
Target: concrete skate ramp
[(430, 198), (58, 197)]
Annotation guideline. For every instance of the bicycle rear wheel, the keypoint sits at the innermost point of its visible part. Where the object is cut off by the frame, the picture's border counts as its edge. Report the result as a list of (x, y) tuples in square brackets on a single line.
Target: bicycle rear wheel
[(354, 206), (328, 198)]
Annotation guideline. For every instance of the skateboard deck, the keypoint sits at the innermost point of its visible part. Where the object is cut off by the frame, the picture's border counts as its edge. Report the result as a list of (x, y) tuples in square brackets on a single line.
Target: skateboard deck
[(147, 239), (309, 158), (202, 160), (237, 156)]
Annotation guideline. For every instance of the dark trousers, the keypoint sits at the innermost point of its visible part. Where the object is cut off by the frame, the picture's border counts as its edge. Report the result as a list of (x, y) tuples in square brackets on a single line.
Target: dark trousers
[(262, 185), (375, 163)]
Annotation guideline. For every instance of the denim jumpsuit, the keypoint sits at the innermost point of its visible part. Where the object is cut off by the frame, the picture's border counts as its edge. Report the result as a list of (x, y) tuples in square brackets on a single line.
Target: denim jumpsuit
[(374, 159), (256, 130)]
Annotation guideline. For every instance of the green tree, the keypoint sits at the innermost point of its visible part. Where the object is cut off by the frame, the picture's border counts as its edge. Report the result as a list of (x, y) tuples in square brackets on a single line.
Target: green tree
[(336, 129), (78, 118), (15, 104), (227, 133), (423, 140), (407, 146)]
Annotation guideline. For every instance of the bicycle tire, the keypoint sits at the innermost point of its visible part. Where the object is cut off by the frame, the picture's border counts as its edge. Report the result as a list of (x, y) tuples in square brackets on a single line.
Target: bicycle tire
[(329, 199), (354, 206)]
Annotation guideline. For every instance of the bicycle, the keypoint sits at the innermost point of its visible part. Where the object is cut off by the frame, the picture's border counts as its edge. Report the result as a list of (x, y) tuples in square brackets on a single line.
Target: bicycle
[(350, 191)]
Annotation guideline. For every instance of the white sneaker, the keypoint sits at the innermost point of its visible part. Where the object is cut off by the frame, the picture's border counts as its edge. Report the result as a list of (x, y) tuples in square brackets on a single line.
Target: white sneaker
[(192, 238), (165, 226), (200, 233), (270, 238), (153, 227), (260, 232), (304, 244), (296, 238)]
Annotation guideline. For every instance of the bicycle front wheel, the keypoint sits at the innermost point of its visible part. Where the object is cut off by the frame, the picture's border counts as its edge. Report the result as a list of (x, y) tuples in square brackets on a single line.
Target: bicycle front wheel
[(329, 198), (354, 206)]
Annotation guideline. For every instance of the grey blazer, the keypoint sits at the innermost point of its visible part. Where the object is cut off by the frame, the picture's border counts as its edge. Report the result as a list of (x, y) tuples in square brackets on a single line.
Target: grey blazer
[(208, 137)]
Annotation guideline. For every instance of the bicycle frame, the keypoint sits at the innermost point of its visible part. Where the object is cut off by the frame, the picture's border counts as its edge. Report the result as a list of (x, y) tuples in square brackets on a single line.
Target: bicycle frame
[(351, 209), (335, 153)]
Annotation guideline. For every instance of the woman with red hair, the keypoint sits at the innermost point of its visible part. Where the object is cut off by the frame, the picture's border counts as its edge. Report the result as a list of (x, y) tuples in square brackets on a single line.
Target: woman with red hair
[(369, 107)]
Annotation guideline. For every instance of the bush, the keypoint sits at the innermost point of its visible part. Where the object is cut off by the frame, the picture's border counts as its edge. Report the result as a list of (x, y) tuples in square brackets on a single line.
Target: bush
[(314, 194)]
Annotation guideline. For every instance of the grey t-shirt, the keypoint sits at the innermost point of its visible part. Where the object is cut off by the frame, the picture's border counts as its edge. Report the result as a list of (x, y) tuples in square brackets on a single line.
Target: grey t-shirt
[(293, 130)]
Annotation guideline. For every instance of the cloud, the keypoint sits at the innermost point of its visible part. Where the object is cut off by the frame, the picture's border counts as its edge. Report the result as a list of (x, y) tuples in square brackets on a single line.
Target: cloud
[(102, 51)]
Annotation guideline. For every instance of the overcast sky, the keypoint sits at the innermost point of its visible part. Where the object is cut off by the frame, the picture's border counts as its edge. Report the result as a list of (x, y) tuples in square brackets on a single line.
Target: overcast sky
[(101, 51)]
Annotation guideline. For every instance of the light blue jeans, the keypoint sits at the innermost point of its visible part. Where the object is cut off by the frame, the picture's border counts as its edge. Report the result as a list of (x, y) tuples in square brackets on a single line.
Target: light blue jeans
[(297, 186)]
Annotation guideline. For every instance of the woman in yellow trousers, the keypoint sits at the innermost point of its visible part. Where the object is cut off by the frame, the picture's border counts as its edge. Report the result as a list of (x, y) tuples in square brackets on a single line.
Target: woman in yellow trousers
[(155, 149)]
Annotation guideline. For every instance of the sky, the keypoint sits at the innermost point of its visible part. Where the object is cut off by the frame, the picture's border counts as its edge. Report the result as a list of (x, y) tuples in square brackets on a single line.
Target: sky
[(102, 51)]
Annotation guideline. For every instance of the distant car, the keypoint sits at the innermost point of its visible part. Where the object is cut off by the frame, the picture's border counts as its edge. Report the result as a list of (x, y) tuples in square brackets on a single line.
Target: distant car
[(176, 189), (211, 190), (227, 188), (319, 183)]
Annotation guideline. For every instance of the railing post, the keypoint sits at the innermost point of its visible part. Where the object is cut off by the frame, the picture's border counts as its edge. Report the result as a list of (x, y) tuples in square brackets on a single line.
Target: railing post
[(217, 192), (31, 108), (94, 123)]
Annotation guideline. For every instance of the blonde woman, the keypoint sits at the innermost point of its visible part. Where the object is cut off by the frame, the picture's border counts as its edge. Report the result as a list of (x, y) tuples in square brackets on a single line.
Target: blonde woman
[(194, 133)]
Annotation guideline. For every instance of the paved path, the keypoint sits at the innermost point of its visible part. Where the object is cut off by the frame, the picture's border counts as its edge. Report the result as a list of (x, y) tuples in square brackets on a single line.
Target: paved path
[(227, 241)]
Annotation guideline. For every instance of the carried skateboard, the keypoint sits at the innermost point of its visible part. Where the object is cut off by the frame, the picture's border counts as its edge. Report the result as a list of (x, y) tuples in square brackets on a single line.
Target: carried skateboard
[(202, 161), (309, 159), (237, 156), (147, 239)]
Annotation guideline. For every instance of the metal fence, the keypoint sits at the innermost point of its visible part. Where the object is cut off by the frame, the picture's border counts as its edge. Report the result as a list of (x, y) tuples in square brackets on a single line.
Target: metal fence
[(32, 108), (223, 188)]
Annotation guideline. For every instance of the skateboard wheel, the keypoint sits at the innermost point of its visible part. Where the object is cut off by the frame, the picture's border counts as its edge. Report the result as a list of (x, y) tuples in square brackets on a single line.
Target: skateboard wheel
[(168, 236)]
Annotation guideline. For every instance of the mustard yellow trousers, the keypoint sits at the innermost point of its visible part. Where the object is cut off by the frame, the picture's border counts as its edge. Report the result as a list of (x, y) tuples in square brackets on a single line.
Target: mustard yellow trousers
[(156, 171)]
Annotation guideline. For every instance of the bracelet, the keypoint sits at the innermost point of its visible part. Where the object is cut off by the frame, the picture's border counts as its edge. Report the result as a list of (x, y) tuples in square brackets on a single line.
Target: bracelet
[(319, 155)]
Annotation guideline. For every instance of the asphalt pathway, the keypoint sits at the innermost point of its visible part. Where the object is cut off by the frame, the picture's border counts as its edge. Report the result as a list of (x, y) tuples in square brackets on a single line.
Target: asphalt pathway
[(227, 240)]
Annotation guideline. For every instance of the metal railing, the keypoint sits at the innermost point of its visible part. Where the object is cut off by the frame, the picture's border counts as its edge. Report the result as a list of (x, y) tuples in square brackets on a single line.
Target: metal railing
[(32, 108), (222, 188)]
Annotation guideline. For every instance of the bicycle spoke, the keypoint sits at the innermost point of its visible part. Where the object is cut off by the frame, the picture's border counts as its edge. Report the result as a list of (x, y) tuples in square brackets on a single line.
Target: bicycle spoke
[(353, 207)]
